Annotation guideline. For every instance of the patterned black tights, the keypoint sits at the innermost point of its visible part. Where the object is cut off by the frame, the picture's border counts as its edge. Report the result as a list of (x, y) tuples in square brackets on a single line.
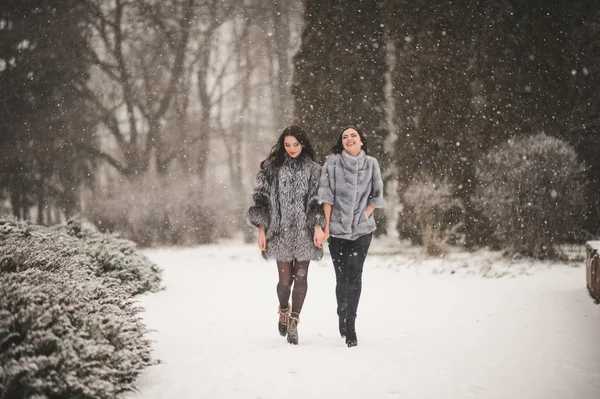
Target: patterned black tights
[(293, 278)]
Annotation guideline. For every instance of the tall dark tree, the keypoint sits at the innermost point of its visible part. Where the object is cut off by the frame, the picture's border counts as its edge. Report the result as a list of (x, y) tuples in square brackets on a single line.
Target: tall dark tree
[(433, 88), (583, 132), (467, 76), (339, 72), (42, 113)]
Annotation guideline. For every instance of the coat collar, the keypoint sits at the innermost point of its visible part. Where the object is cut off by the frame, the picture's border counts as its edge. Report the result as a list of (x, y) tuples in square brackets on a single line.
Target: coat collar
[(294, 163), (351, 162)]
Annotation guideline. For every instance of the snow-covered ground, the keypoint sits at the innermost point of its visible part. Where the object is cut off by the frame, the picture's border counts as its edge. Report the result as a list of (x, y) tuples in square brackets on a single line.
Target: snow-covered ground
[(427, 328)]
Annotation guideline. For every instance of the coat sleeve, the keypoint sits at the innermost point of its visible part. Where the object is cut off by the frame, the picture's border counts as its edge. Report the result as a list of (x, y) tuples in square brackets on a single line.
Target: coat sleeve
[(327, 183), (376, 195), (315, 215), (259, 213)]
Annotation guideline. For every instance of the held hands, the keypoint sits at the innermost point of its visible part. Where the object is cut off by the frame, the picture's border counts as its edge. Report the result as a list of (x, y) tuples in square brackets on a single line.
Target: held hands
[(319, 237), (262, 239)]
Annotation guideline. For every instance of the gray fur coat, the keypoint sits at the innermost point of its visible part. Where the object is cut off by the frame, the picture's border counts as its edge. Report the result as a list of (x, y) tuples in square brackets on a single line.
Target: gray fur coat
[(349, 184), (285, 203)]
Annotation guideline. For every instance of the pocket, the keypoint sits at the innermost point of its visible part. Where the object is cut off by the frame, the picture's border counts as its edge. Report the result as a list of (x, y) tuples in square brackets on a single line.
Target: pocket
[(363, 220), (370, 219)]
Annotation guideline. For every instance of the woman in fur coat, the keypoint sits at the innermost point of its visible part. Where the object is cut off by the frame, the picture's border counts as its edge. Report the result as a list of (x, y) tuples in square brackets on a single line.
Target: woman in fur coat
[(350, 189), (290, 220)]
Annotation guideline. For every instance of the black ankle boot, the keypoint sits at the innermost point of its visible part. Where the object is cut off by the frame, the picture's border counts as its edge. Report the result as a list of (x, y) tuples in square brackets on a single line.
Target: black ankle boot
[(292, 328), (351, 339), (342, 325), (282, 323)]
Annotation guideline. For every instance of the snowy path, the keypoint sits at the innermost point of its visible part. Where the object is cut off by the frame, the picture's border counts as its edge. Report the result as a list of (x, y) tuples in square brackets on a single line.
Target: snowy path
[(420, 335)]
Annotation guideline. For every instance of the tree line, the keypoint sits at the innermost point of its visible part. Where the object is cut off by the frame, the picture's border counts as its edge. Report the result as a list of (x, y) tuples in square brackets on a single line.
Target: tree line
[(127, 88), (96, 92)]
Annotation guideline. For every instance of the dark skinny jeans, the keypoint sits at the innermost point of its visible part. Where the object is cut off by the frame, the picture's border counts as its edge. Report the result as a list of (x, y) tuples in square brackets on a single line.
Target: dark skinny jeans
[(348, 259)]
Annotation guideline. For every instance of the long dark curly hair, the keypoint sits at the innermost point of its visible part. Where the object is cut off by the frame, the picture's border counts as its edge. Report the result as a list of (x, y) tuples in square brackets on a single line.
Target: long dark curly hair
[(278, 153), (339, 147)]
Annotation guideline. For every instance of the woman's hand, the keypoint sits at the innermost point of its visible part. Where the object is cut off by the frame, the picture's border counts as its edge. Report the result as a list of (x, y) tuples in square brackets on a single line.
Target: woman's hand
[(262, 239), (370, 210), (319, 236)]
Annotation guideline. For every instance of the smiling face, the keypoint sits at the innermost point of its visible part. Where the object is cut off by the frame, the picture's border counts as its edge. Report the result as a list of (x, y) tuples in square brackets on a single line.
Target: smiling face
[(292, 146), (351, 141)]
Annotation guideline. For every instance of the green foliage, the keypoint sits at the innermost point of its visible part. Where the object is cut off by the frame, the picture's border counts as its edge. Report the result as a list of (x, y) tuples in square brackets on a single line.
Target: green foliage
[(69, 327), (532, 191)]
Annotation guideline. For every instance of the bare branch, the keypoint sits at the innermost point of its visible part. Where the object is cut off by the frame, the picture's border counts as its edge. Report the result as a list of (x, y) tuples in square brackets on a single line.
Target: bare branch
[(107, 115), (178, 62), (104, 156)]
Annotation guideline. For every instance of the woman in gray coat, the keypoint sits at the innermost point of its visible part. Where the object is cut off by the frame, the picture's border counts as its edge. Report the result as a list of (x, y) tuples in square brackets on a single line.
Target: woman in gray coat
[(290, 220), (350, 189)]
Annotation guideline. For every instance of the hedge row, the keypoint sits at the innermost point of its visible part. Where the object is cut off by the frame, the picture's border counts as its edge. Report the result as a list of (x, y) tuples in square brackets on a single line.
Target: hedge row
[(69, 326)]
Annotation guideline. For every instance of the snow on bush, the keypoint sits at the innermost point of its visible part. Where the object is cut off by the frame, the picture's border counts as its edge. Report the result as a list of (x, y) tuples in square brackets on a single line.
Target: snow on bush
[(69, 327), (531, 189), (431, 206), (111, 255)]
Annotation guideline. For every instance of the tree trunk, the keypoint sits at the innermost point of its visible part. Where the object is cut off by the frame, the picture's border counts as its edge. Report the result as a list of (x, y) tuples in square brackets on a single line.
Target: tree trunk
[(41, 204), (280, 46), (203, 139)]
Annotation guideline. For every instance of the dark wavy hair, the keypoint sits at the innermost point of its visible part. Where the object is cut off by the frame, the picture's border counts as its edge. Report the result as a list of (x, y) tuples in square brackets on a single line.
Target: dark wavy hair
[(339, 147), (278, 153)]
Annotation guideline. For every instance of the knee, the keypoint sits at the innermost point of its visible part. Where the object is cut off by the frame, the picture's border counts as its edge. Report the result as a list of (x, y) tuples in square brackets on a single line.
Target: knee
[(284, 284), (301, 274), (301, 278)]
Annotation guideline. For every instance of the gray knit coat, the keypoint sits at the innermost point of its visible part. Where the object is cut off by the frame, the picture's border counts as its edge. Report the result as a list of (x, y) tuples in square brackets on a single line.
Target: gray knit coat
[(349, 184), (285, 203)]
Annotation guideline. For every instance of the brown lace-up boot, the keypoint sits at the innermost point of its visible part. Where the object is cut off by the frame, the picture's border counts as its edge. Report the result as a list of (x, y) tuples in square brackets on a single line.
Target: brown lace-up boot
[(292, 328), (284, 315)]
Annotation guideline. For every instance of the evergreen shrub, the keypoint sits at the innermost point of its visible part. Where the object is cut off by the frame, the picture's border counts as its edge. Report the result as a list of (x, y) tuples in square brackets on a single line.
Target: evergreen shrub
[(69, 326), (532, 191)]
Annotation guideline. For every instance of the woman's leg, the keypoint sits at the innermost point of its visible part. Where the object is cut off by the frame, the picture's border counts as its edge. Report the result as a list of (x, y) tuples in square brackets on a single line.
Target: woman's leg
[(300, 285), (356, 260), (358, 254), (284, 286), (339, 250), (298, 294)]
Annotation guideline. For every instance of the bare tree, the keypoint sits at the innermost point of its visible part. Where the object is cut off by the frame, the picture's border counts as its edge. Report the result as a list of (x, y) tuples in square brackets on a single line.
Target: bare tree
[(137, 75)]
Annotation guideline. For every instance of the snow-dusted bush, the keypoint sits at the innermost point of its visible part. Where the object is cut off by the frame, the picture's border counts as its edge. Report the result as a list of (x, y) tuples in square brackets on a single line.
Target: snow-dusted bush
[(69, 327), (118, 258), (79, 338), (153, 211), (110, 256), (431, 206), (531, 189)]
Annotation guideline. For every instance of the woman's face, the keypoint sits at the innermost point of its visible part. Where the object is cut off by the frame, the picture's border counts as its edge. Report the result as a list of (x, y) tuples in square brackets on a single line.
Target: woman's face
[(292, 146), (351, 141)]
